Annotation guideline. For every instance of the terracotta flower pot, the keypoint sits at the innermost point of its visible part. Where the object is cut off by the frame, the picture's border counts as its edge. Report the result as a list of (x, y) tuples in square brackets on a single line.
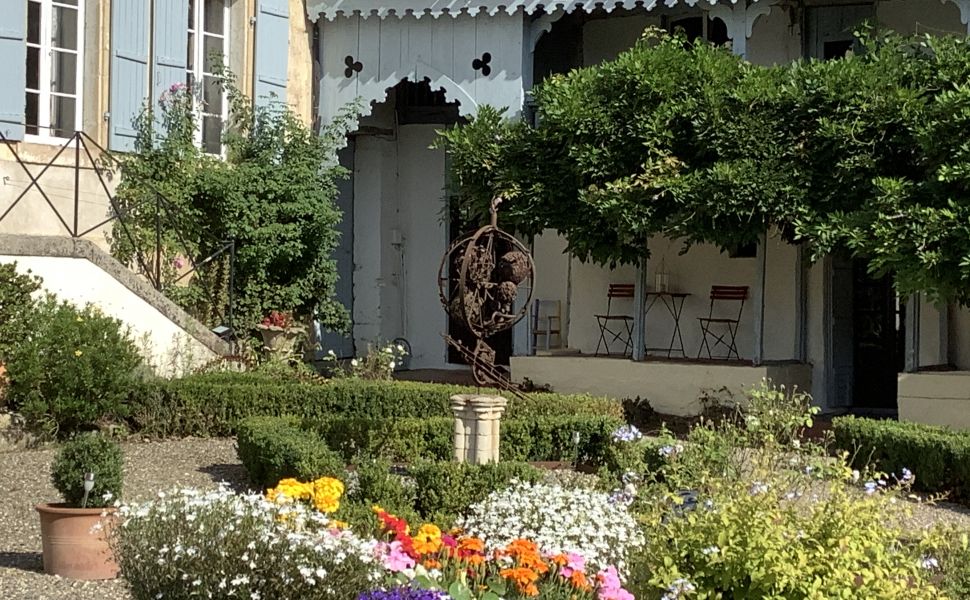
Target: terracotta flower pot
[(72, 547)]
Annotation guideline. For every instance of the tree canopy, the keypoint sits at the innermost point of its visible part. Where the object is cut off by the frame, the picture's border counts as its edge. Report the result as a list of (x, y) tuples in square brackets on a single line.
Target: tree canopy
[(867, 155)]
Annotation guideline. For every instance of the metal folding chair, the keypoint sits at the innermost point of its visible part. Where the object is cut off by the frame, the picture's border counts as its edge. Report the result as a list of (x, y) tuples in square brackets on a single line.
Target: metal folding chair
[(616, 328), (726, 336)]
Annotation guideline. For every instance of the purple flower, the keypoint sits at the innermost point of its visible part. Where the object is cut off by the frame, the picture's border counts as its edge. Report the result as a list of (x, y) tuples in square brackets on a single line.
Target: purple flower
[(627, 433), (403, 593)]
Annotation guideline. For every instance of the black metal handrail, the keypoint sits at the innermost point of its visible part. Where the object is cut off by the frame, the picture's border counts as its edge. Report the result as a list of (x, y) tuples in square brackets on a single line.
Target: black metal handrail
[(162, 207)]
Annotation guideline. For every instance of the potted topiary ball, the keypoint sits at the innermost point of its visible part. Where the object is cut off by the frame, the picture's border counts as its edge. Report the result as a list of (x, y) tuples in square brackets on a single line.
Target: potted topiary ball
[(88, 473)]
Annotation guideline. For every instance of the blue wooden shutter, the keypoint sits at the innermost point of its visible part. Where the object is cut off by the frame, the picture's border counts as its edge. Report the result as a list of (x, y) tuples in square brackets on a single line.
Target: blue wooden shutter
[(13, 69), (171, 39), (272, 50), (129, 70)]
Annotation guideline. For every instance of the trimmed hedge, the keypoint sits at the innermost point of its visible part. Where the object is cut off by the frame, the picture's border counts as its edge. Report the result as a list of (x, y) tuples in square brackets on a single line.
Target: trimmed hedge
[(272, 448), (939, 457), (412, 439), (212, 404), (444, 490)]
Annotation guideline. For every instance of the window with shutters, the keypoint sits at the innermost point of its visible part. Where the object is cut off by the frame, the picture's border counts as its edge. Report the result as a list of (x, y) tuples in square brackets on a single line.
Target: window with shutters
[(55, 53), (208, 47)]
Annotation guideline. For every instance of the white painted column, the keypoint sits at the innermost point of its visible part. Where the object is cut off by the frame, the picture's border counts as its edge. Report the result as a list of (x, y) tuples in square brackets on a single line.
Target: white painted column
[(639, 311), (912, 333), (758, 299), (800, 351)]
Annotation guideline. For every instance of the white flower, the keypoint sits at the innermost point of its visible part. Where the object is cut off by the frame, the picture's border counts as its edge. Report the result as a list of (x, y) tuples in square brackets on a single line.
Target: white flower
[(559, 520), (354, 362)]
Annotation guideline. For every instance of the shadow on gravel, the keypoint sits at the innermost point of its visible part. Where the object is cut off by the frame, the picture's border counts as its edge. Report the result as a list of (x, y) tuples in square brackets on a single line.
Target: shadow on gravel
[(233, 474), (25, 561)]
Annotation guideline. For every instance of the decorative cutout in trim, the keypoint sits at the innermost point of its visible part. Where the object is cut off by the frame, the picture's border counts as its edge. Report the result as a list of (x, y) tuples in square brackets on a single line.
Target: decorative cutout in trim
[(352, 66), (481, 64)]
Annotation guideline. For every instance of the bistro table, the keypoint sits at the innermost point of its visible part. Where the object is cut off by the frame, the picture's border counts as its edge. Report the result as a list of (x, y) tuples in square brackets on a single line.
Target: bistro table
[(674, 302)]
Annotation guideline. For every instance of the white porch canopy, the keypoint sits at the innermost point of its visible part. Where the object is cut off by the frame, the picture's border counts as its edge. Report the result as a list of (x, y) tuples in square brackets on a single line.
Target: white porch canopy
[(331, 9)]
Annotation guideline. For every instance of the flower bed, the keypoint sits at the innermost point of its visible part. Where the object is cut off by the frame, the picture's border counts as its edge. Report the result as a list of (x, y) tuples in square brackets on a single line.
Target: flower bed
[(290, 544)]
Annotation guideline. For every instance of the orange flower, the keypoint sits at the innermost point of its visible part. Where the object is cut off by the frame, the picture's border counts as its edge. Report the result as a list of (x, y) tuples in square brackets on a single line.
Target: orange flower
[(560, 560), (431, 564), (473, 559), (531, 590), (471, 544), (522, 577), (428, 539), (579, 581)]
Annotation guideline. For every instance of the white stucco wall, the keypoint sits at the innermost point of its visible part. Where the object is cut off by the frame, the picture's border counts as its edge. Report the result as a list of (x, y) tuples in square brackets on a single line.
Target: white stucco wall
[(32, 215), (604, 39), (163, 344), (775, 38), (695, 273), (920, 16)]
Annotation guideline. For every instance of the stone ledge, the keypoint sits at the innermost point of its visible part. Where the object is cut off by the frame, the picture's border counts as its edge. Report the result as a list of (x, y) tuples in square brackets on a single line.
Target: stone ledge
[(65, 247)]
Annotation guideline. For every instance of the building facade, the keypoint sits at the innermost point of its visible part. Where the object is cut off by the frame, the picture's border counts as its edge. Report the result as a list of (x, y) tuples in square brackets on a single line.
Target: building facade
[(413, 67)]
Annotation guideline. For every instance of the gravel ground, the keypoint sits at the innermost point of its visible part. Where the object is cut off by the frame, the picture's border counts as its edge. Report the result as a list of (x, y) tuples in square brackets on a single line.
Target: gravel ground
[(153, 466), (149, 467)]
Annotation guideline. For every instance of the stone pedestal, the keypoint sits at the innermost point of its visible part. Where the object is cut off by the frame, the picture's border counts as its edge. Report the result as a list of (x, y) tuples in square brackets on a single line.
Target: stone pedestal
[(477, 427)]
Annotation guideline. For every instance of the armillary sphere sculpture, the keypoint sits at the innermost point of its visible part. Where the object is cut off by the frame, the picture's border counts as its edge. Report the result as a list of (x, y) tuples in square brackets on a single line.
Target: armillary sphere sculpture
[(491, 266)]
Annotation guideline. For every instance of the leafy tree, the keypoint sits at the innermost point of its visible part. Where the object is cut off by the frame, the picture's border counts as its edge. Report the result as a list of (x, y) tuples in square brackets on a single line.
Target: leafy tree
[(865, 155), (273, 195)]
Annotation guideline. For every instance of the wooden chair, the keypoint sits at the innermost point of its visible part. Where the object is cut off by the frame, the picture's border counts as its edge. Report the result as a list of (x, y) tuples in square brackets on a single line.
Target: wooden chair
[(615, 328), (720, 295), (546, 321)]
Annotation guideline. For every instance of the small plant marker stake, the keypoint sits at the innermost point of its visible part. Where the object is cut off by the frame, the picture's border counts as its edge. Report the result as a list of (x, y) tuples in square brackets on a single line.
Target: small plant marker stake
[(88, 486)]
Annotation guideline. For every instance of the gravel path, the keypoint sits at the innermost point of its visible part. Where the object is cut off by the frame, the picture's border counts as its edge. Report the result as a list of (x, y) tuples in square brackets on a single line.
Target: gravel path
[(150, 467)]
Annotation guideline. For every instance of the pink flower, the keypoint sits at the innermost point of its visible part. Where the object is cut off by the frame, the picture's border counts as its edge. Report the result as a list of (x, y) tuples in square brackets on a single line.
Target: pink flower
[(178, 262), (610, 586), (574, 562), (396, 559), (449, 541)]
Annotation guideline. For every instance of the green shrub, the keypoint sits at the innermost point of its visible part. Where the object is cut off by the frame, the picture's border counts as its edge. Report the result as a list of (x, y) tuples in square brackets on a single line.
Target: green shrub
[(16, 306), (551, 439), (272, 449), (73, 372), (443, 490), (939, 457), (88, 453), (407, 440), (212, 404), (397, 440)]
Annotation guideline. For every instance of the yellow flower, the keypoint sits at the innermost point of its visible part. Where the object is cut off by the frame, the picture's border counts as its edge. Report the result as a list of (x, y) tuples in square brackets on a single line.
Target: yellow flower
[(340, 524), (428, 539), (326, 504), (78, 353), (79, 319)]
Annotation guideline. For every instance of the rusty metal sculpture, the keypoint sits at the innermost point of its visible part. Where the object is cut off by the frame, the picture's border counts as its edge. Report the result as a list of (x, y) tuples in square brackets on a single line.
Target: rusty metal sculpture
[(491, 265)]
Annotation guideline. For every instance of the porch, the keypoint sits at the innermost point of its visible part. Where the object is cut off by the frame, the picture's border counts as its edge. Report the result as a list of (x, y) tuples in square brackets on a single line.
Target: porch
[(672, 387)]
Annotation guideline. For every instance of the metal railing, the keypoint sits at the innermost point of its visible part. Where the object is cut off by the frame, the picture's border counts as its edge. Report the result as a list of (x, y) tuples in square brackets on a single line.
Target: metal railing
[(148, 260)]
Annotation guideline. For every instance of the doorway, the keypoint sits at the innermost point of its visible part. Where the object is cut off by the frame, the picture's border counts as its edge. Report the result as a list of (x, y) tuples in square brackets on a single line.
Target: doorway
[(865, 337), (830, 30)]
